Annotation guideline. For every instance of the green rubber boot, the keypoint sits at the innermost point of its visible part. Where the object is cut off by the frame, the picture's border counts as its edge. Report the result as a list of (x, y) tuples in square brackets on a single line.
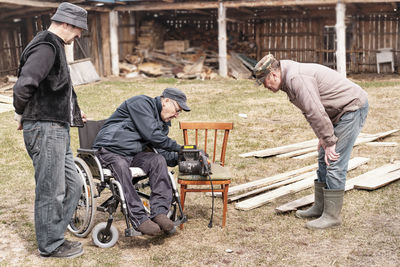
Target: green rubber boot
[(318, 207), (333, 202)]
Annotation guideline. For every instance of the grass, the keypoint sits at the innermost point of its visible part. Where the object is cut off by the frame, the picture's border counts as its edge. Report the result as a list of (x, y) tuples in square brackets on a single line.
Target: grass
[(370, 234)]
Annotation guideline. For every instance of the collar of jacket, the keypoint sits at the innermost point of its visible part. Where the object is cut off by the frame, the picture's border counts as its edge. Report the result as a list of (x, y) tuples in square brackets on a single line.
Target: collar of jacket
[(159, 109)]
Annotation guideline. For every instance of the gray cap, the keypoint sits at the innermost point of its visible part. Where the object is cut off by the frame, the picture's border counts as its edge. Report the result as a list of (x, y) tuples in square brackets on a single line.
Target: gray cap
[(71, 14), (178, 96)]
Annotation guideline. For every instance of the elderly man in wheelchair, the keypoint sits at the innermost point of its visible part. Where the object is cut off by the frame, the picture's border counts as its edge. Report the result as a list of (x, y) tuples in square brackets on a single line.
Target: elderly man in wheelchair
[(120, 157)]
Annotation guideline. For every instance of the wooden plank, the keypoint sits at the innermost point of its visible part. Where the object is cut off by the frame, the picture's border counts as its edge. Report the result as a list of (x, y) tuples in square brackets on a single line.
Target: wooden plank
[(279, 150), (359, 140), (378, 181), (350, 184), (262, 199), (272, 186), (380, 144), (266, 181), (82, 72), (297, 152)]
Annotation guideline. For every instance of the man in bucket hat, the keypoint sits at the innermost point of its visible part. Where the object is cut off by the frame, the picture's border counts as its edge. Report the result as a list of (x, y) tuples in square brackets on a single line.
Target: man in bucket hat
[(45, 107), (336, 109), (138, 123)]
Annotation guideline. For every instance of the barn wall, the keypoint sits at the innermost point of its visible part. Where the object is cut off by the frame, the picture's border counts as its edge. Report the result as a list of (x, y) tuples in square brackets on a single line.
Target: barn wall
[(300, 39)]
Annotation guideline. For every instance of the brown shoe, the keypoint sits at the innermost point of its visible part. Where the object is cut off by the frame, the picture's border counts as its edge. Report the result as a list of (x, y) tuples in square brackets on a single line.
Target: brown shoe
[(149, 228), (164, 222)]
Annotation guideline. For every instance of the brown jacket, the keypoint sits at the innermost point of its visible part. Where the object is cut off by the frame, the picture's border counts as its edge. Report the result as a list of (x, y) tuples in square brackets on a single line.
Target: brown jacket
[(322, 94)]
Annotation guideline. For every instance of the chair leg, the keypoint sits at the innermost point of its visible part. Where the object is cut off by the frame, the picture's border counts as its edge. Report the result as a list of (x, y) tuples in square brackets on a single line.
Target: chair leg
[(225, 198), (183, 195)]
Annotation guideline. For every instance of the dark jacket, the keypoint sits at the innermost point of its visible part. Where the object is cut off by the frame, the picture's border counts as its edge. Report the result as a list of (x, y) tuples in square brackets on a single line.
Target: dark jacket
[(136, 125), (45, 92)]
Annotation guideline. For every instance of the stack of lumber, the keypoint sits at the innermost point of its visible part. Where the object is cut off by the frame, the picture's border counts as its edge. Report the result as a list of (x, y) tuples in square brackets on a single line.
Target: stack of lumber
[(151, 35), (309, 148), (369, 181)]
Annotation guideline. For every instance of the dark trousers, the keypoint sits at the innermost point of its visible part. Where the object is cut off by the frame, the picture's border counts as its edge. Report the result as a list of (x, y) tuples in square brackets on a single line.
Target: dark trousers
[(156, 168)]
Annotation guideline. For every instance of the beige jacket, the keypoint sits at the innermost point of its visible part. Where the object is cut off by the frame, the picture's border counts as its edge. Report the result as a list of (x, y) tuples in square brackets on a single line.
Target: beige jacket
[(322, 94)]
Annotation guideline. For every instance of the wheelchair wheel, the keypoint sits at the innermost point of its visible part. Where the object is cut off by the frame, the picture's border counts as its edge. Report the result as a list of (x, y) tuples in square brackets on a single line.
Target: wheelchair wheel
[(103, 239), (83, 218)]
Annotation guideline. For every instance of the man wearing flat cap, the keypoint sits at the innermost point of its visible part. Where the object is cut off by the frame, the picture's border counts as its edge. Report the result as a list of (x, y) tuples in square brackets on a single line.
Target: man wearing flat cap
[(139, 123), (45, 108), (336, 109)]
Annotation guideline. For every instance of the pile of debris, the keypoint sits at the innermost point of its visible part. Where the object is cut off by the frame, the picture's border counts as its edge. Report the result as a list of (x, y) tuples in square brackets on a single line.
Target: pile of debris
[(177, 58)]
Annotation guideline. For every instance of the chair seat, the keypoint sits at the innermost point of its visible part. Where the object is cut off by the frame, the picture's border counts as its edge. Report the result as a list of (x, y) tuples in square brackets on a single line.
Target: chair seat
[(135, 171), (219, 173)]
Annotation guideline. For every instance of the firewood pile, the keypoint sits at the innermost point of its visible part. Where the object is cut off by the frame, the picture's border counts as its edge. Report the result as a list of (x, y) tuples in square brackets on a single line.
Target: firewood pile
[(166, 55)]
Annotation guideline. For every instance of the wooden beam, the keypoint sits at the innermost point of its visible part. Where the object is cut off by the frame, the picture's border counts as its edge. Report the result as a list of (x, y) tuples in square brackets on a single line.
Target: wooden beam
[(114, 43), (341, 39), (222, 46), (30, 3), (105, 43), (234, 4)]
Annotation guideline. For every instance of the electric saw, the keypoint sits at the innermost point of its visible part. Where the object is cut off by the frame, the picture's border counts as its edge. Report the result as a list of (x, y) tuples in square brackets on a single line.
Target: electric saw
[(193, 161)]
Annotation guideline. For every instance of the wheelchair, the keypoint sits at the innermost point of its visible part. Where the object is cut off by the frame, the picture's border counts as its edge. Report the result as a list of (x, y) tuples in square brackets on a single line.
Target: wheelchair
[(96, 179)]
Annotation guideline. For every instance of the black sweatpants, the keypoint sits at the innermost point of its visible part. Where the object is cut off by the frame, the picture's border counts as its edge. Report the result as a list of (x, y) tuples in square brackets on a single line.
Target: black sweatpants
[(156, 168)]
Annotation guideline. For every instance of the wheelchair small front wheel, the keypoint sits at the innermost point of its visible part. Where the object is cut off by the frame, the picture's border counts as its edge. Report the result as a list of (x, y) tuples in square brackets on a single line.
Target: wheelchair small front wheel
[(103, 238)]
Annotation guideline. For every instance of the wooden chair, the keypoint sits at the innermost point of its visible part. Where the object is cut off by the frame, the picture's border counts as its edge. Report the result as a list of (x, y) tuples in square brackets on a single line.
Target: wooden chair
[(220, 174)]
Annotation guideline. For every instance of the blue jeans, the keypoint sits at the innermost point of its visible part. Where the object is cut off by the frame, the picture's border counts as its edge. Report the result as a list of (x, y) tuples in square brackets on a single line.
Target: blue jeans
[(346, 130), (58, 186)]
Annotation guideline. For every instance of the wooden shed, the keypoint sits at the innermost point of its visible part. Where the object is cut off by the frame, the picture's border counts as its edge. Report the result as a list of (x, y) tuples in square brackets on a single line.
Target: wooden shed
[(348, 35)]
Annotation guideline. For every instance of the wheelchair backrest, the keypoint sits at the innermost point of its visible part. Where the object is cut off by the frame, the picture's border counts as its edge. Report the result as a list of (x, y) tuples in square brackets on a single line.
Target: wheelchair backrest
[(88, 133)]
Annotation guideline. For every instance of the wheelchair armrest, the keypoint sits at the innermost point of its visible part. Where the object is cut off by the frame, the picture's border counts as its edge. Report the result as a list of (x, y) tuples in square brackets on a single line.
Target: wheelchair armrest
[(86, 151)]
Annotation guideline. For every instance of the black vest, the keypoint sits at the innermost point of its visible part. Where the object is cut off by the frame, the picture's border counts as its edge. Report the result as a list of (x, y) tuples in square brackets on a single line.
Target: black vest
[(53, 98)]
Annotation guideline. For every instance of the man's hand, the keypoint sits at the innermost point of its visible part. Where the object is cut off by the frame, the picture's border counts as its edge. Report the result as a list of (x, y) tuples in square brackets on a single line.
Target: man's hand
[(330, 153), (83, 115), (18, 118)]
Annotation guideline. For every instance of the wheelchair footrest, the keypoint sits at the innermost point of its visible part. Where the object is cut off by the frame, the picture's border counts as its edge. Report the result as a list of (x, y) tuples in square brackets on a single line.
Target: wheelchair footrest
[(132, 232), (180, 221)]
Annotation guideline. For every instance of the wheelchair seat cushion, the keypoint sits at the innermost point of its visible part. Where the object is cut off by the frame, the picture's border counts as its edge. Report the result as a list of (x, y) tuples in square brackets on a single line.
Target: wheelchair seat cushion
[(135, 171)]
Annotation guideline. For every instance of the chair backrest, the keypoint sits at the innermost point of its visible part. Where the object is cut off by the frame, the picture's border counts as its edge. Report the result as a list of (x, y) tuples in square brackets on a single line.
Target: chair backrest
[(88, 133), (201, 132)]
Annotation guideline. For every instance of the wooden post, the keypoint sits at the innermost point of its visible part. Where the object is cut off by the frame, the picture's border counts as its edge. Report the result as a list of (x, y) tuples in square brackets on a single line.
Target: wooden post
[(223, 66), (341, 38), (105, 44), (114, 43)]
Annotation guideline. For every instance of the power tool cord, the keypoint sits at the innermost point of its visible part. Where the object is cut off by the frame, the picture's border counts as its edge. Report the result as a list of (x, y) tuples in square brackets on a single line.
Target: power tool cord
[(210, 224)]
